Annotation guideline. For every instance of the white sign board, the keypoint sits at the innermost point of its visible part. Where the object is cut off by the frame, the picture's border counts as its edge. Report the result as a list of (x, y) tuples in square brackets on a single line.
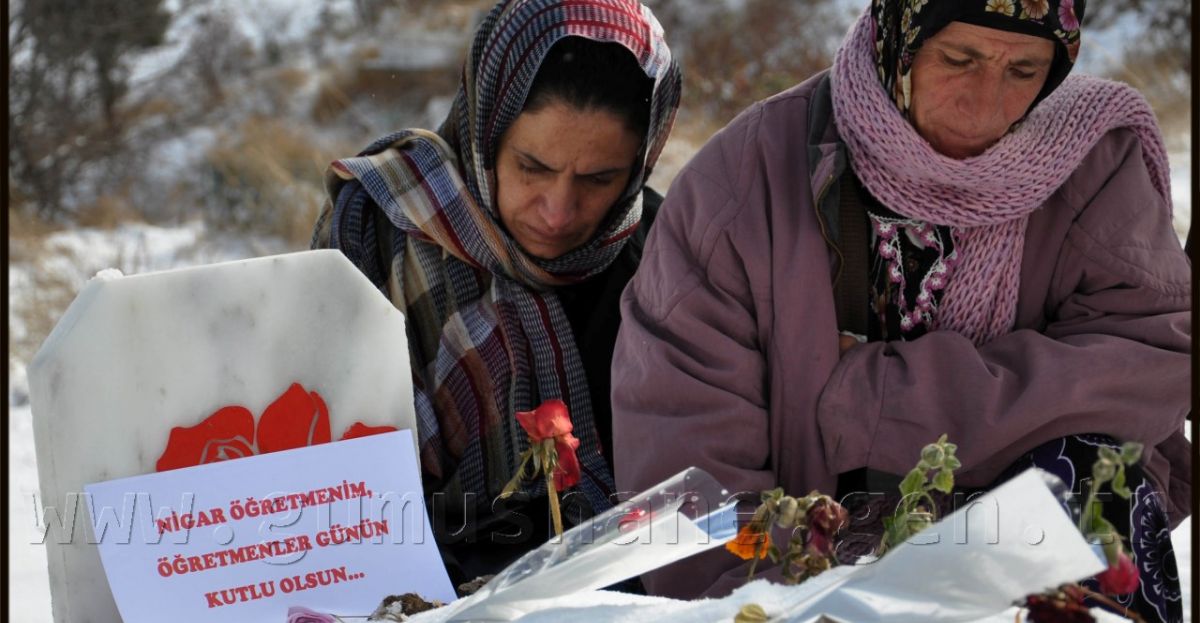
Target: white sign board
[(333, 527), (184, 367)]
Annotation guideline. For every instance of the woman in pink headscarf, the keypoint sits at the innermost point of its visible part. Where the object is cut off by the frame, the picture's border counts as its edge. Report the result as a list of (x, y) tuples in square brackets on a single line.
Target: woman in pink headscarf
[(942, 234)]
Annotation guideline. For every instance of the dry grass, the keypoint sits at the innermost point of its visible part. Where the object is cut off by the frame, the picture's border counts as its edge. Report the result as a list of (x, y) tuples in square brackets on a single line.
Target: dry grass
[(25, 234), (268, 179), (39, 309), (44, 296), (140, 112), (1156, 74), (290, 79), (382, 87), (331, 101), (108, 211)]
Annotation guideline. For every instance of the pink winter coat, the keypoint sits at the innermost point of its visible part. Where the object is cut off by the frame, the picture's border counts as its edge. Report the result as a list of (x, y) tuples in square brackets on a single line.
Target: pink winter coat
[(727, 357)]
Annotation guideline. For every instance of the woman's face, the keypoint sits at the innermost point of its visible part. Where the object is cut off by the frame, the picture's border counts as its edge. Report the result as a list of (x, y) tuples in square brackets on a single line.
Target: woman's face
[(558, 171), (971, 83)]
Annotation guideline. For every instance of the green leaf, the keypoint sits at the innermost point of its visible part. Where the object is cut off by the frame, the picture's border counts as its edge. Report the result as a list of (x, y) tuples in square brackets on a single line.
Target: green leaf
[(952, 463), (944, 481), (942, 439), (1110, 454), (1131, 452), (932, 457), (912, 483)]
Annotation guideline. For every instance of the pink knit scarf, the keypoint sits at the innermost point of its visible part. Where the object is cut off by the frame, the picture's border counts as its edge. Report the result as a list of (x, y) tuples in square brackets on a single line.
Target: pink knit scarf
[(987, 199)]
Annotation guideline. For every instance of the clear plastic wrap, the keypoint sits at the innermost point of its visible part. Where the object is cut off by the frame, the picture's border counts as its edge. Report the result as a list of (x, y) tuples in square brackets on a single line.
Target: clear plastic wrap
[(682, 516)]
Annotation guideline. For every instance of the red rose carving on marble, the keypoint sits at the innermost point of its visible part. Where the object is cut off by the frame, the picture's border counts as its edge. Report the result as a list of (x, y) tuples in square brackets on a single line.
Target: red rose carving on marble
[(358, 429), (298, 418)]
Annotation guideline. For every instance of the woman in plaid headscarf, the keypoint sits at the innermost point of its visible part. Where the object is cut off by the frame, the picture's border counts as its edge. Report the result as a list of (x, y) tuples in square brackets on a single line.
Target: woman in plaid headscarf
[(506, 237)]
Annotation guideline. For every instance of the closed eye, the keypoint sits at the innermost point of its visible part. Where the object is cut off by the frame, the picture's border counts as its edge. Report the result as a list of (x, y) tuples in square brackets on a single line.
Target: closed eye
[(531, 169), (601, 180), (955, 61), (1023, 75)]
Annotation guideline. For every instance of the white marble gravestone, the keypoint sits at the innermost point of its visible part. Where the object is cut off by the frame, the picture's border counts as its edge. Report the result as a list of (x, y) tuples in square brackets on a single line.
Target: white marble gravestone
[(134, 357)]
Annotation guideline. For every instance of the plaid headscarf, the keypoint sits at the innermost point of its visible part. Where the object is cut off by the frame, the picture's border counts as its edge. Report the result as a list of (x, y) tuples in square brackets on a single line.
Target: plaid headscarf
[(903, 26), (487, 334)]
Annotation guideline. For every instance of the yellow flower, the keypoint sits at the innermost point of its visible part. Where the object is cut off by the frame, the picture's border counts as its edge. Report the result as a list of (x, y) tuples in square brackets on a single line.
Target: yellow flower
[(749, 543), (1004, 7), (1037, 9)]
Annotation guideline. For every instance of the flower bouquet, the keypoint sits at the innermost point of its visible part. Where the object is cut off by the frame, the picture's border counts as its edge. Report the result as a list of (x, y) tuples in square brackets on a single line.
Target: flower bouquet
[(967, 567)]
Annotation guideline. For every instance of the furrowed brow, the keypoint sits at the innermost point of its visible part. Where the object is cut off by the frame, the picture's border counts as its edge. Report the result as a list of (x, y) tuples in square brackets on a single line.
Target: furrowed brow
[(1035, 63), (965, 50), (603, 172), (534, 161)]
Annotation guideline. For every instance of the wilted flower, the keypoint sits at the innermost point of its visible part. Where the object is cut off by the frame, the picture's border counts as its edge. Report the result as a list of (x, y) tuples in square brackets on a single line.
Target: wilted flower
[(827, 517), (788, 509), (1057, 608), (1119, 579), (749, 543)]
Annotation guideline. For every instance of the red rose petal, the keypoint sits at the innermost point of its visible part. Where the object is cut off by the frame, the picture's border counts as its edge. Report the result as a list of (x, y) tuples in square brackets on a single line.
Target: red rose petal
[(567, 474), (550, 419)]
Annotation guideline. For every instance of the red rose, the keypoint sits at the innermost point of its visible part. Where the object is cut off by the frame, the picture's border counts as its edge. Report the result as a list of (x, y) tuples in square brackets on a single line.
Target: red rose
[(296, 419), (1119, 579), (552, 421)]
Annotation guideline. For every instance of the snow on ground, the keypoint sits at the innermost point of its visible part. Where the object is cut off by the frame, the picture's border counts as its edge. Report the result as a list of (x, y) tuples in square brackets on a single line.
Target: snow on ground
[(75, 256), (28, 580)]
